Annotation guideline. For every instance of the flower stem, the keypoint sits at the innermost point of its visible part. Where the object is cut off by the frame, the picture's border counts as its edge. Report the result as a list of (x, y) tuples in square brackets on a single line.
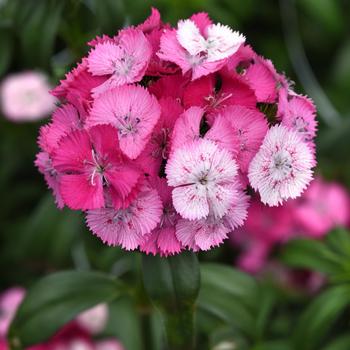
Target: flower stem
[(173, 284)]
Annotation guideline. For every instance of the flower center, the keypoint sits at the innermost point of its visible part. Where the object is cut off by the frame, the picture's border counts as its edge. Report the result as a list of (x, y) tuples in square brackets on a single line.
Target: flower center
[(124, 65), (128, 125), (281, 164)]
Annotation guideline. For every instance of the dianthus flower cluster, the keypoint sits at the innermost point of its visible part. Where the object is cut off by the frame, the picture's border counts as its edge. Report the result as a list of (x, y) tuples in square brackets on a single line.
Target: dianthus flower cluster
[(161, 131)]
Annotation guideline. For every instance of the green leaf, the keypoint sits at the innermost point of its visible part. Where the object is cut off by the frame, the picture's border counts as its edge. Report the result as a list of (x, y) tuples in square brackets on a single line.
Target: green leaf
[(55, 300), (173, 284), (6, 47), (340, 343), (229, 295), (317, 319), (37, 22), (123, 322), (311, 254)]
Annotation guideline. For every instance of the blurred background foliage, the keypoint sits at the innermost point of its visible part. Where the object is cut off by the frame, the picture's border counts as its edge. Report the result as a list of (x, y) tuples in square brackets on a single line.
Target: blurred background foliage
[(235, 310)]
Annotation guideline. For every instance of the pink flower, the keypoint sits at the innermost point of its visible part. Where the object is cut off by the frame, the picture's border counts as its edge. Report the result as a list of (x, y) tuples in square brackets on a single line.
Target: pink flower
[(282, 167), (157, 149), (162, 240), (94, 320), (93, 166), (169, 86), (322, 207), (156, 103), (134, 113), (249, 127), (25, 96), (152, 23), (43, 162), (203, 176), (124, 61), (299, 114), (127, 227), (199, 47), (9, 303), (64, 120), (262, 78), (187, 129)]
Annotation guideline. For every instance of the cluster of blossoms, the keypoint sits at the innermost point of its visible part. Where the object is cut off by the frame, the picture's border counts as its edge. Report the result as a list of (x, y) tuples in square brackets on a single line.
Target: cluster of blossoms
[(76, 335), (321, 208), (161, 131)]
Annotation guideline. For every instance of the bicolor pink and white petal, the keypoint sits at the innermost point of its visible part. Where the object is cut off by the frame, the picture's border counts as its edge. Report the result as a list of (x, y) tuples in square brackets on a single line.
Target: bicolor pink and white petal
[(282, 168)]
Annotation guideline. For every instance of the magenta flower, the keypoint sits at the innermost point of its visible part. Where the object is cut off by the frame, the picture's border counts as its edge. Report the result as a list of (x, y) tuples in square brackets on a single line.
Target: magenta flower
[(77, 88), (92, 166), (25, 97), (282, 167)]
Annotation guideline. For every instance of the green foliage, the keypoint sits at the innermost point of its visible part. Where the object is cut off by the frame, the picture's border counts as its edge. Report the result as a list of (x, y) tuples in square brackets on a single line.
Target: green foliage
[(57, 299)]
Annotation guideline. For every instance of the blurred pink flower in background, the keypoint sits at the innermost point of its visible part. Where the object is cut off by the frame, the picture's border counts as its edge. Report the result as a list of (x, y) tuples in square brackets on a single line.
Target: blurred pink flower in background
[(95, 319), (25, 96), (264, 228), (76, 335), (322, 207), (9, 302)]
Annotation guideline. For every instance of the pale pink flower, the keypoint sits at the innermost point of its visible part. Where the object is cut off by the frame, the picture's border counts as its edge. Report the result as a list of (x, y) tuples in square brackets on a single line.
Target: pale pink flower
[(202, 47), (94, 320), (9, 302), (203, 176), (127, 227), (25, 96), (134, 113), (91, 166), (209, 232), (282, 167), (323, 206), (125, 60), (162, 239), (250, 127)]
